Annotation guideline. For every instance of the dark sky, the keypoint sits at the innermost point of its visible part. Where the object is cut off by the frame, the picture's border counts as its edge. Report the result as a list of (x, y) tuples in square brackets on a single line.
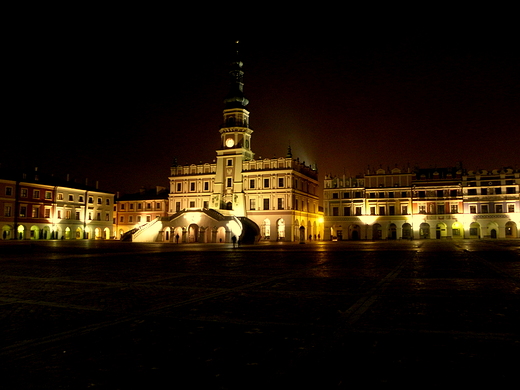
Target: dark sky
[(119, 102)]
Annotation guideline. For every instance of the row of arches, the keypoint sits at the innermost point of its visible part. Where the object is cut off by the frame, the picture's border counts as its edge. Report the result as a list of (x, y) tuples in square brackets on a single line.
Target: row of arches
[(45, 233), (440, 230)]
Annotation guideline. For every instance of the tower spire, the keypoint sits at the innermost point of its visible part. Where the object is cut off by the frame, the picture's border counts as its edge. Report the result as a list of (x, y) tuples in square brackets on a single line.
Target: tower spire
[(235, 98)]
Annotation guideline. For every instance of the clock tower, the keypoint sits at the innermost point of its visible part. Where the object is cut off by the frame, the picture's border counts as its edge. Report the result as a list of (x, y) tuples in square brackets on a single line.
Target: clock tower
[(235, 145)]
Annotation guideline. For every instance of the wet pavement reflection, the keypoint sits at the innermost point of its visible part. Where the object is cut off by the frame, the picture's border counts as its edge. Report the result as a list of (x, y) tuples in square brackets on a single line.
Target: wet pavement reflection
[(325, 314)]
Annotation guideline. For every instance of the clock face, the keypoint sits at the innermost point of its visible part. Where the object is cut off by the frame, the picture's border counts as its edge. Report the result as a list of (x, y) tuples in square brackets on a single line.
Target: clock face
[(230, 142)]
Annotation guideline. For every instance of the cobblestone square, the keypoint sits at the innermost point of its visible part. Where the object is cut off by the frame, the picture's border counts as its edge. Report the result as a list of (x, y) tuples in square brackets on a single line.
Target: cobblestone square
[(102, 314)]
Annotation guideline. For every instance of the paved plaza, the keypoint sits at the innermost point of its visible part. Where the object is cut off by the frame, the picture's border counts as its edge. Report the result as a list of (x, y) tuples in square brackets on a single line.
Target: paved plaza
[(334, 315)]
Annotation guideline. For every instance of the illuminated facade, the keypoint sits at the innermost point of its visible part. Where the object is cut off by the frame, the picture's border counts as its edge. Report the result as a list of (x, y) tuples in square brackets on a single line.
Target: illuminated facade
[(447, 203), (37, 207), (269, 199), (134, 210)]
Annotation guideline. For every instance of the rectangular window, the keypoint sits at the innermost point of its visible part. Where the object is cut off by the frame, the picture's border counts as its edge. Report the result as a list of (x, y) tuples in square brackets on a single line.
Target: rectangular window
[(71, 198), (158, 206), (177, 206), (280, 182), (510, 190), (422, 209), (404, 210), (192, 203), (7, 210), (335, 211), (454, 209), (266, 203), (266, 183), (48, 195), (422, 194), (484, 209), (229, 182), (122, 219), (206, 186), (453, 193), (483, 191), (23, 211), (23, 192), (192, 186), (80, 200), (346, 211), (372, 210), (179, 187), (440, 209), (8, 191), (252, 183), (498, 191), (381, 210), (36, 194), (205, 204), (472, 191), (99, 201), (229, 162), (358, 210), (280, 204), (335, 195), (510, 208), (499, 208), (252, 204), (440, 193), (404, 194), (391, 210), (346, 195), (90, 199), (148, 206), (78, 216)]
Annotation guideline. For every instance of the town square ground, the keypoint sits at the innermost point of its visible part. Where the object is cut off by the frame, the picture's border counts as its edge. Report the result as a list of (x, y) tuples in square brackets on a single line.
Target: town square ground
[(117, 315)]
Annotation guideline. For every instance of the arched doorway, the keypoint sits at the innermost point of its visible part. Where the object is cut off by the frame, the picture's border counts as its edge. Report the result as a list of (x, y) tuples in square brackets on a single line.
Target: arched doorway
[(407, 231), (46, 233), (221, 234), (492, 230), (457, 230), (193, 233), (106, 234), (67, 233), (79, 233), (280, 229), (474, 230), (6, 232), (35, 233), (355, 232), (424, 230)]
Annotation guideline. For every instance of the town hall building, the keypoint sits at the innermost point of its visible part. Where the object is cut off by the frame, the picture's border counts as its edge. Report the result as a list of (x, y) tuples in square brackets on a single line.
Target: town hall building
[(238, 196)]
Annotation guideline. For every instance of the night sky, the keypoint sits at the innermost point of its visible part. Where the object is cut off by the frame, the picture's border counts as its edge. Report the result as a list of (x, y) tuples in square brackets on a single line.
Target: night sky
[(118, 105)]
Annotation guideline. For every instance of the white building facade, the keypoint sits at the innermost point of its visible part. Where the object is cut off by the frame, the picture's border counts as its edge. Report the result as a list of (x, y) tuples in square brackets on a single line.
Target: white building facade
[(448, 203), (268, 199)]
